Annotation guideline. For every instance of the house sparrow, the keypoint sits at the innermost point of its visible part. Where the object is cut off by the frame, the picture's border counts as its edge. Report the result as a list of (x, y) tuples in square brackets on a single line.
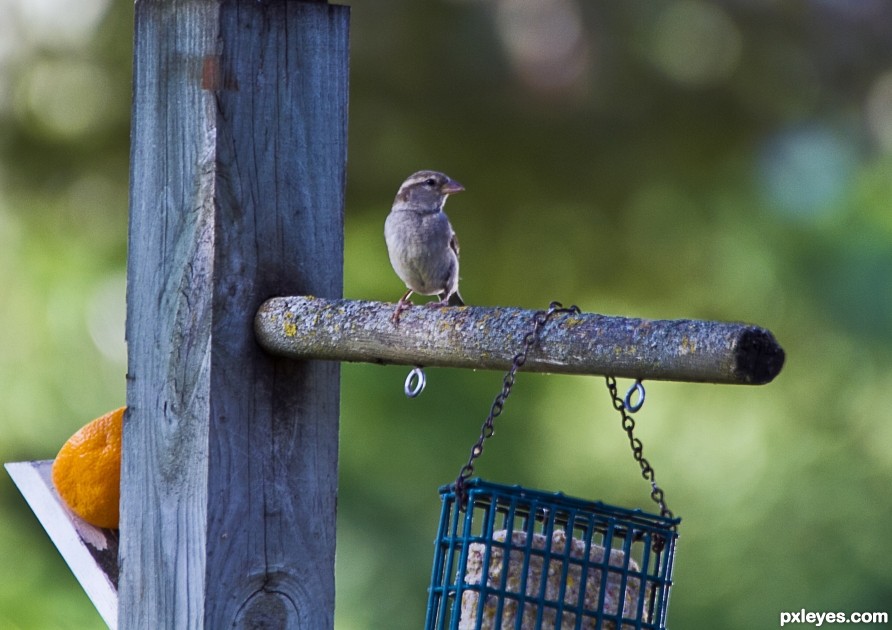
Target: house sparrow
[(420, 240)]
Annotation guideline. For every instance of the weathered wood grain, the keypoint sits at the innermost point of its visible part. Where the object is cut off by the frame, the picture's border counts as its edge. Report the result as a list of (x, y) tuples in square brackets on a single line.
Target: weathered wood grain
[(304, 327), (238, 157)]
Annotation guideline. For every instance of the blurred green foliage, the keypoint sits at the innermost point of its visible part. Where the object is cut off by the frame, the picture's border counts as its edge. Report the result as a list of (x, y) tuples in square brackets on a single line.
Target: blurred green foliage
[(671, 158)]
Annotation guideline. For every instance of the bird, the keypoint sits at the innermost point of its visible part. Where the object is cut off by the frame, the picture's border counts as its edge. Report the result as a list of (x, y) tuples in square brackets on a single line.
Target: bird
[(421, 243)]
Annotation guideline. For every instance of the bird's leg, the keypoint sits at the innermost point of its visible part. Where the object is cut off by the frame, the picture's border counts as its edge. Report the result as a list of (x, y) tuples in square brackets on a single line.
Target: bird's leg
[(444, 301), (403, 305)]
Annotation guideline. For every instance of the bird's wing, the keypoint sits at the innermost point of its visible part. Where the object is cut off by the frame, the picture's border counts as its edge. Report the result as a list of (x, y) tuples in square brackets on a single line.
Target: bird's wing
[(453, 244)]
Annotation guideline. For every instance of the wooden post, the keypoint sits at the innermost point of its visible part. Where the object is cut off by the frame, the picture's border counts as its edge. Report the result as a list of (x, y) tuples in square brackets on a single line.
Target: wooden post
[(229, 474)]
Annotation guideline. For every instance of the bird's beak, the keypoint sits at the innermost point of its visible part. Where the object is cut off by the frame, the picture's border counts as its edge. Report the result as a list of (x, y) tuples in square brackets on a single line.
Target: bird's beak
[(451, 187)]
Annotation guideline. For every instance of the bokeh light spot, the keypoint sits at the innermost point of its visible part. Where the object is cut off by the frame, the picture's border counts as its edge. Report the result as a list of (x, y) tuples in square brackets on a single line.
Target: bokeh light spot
[(61, 23), (695, 43), (806, 171), (10, 33), (545, 41), (879, 111), (84, 106), (105, 315)]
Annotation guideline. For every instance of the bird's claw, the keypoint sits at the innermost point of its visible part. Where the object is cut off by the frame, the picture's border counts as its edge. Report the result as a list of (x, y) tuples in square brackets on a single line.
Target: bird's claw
[(402, 305)]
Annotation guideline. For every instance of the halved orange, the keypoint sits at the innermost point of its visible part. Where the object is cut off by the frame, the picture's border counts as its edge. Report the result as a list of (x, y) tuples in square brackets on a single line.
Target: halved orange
[(87, 470)]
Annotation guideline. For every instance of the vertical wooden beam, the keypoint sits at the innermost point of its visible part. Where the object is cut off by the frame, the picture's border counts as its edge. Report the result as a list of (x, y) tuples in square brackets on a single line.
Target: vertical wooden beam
[(238, 157)]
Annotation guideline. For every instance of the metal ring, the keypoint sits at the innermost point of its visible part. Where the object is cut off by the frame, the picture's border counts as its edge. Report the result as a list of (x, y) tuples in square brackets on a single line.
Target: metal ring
[(415, 382), (627, 401)]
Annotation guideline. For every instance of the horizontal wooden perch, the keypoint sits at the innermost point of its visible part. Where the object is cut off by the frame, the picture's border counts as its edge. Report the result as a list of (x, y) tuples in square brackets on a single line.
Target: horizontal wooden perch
[(481, 337)]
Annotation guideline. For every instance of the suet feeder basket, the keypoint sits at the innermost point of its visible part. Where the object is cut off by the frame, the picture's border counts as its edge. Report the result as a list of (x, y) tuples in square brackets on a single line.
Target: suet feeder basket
[(510, 558), (524, 559)]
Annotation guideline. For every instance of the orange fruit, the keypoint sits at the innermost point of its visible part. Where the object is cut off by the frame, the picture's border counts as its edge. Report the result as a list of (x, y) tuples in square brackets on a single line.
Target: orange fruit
[(87, 470)]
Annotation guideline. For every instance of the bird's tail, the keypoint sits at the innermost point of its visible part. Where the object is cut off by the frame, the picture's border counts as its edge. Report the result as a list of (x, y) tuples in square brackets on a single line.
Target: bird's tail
[(454, 300)]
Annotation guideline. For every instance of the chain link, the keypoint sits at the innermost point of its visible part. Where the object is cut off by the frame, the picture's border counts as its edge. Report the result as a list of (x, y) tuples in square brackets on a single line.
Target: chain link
[(530, 340), (488, 429), (628, 425)]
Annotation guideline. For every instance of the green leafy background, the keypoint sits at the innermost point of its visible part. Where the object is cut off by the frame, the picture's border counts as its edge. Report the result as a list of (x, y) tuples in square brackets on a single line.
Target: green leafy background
[(655, 158)]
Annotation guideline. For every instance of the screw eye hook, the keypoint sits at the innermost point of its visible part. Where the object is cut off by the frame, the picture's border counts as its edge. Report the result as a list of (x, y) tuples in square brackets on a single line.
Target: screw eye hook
[(627, 401), (415, 382)]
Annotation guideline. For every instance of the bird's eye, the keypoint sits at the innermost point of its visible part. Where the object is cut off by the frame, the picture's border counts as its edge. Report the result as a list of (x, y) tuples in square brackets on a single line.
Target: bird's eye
[(430, 181)]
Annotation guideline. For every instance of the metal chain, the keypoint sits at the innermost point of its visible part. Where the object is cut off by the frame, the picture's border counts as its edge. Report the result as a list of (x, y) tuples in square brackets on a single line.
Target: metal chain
[(488, 429), (637, 448)]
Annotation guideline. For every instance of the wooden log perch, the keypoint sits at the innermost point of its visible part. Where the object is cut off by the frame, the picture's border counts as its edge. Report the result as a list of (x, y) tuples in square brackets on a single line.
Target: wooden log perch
[(481, 337)]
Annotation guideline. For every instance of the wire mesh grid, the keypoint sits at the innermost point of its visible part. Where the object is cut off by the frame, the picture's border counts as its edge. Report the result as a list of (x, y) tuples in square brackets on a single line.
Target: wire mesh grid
[(570, 563)]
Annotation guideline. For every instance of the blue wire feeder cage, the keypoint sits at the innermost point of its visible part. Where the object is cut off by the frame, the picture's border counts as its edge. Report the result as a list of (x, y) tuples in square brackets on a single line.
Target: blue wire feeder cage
[(570, 563)]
